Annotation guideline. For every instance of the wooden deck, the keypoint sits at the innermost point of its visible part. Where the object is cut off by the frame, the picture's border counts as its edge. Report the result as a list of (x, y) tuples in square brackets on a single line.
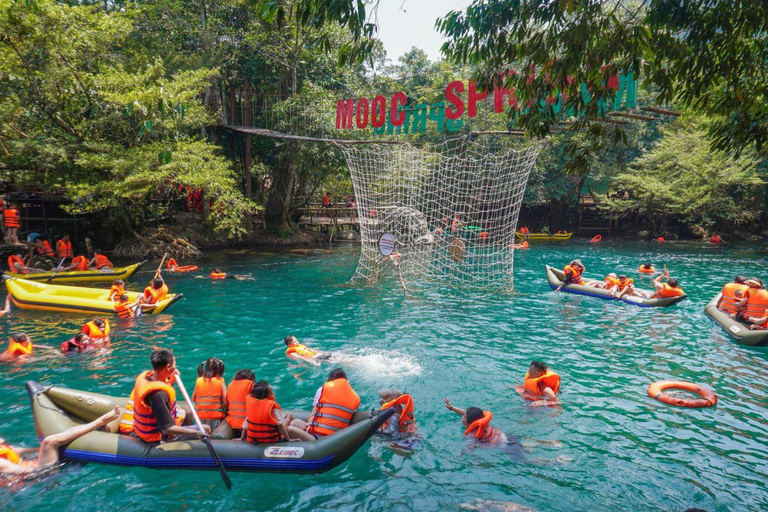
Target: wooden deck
[(331, 220)]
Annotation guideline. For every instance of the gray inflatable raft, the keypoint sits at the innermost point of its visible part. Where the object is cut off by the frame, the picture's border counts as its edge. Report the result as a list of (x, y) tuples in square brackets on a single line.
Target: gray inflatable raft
[(55, 409), (555, 277), (740, 333)]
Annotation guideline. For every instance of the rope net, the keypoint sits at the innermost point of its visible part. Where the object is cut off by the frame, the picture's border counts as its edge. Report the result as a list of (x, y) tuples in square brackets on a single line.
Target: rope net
[(441, 217)]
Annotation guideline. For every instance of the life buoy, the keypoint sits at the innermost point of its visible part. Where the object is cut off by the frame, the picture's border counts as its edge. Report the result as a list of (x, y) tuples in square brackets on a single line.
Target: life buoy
[(218, 275), (644, 270), (656, 390), (596, 239), (186, 268)]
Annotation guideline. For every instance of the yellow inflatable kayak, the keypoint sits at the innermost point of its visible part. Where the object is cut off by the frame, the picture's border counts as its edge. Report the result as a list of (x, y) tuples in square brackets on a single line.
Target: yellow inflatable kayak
[(72, 299), (77, 276), (544, 237)]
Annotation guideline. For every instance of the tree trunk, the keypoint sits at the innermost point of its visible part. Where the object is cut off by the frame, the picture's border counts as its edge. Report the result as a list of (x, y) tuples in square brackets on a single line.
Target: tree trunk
[(281, 192)]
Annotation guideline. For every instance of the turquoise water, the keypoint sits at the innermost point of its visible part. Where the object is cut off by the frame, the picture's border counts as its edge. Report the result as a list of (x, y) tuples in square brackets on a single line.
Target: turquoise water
[(609, 447)]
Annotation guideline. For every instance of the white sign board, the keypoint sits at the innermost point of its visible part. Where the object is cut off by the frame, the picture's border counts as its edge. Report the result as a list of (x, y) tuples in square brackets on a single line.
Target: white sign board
[(386, 244)]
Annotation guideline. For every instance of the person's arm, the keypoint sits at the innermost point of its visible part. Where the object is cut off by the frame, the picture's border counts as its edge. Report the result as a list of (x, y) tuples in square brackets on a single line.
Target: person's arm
[(224, 400), (548, 393), (7, 308), (756, 320), (92, 262), (278, 416), (161, 408), (194, 397), (392, 426), (244, 433), (450, 407)]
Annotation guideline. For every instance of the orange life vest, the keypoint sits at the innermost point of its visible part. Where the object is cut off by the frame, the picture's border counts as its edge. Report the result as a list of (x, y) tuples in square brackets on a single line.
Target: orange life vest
[(262, 427), (622, 286), (13, 260), (11, 216), (610, 282), (649, 270), (237, 391), (144, 422), (126, 420), (483, 431), (47, 250), (115, 291), (81, 262), (524, 231), (209, 402), (171, 264), (102, 261), (549, 378), (728, 304), (407, 417), (96, 334), (155, 295), (7, 453), (715, 239), (218, 275), (64, 249), (575, 271), (757, 302), (334, 410), (301, 350), (524, 245), (23, 348), (667, 291), (123, 311)]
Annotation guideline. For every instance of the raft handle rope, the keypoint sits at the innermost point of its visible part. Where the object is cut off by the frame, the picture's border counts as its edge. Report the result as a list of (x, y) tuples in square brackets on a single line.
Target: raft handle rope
[(656, 390)]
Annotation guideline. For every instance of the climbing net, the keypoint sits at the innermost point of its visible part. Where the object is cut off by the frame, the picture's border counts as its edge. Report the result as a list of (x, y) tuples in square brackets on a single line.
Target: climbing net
[(440, 217)]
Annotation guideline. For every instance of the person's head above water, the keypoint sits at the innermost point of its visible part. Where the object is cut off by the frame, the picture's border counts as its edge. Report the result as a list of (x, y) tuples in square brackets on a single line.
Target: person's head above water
[(336, 373), (262, 390), (647, 265), (472, 415), (20, 337), (388, 394), (291, 340), (537, 368), (99, 322)]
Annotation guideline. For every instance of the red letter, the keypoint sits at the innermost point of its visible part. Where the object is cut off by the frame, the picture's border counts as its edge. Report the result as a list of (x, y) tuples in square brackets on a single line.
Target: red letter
[(397, 118), (344, 111), (362, 108), (379, 111), (473, 97), (453, 98), (498, 99)]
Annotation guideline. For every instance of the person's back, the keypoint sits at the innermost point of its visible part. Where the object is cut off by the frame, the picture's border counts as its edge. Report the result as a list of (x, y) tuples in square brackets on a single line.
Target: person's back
[(731, 294), (540, 382), (237, 393), (209, 396), (156, 291), (264, 420), (757, 298), (335, 405)]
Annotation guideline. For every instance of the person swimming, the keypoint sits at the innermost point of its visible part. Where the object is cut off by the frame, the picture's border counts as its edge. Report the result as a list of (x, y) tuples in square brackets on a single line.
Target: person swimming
[(297, 350)]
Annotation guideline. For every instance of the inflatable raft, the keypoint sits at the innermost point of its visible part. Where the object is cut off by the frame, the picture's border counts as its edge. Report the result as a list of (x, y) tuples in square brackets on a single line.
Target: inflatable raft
[(72, 299), (81, 276), (545, 237), (55, 409), (555, 277), (740, 333)]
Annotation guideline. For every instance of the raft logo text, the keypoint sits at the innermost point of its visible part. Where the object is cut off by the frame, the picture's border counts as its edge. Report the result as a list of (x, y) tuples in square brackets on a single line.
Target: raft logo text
[(284, 453)]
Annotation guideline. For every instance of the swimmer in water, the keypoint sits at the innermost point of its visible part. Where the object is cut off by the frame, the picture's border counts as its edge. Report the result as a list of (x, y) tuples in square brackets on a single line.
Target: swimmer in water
[(48, 453), (296, 350)]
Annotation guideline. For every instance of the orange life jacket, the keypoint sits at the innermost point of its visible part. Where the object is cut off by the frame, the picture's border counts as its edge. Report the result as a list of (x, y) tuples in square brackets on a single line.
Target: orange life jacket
[(7, 453), (667, 291), (237, 391), (610, 282), (144, 422), (524, 245), (649, 270), (171, 264), (123, 311), (728, 304), (715, 239), (81, 262), (115, 291), (23, 348), (102, 261), (301, 350), (155, 295), (96, 334), (524, 230), (64, 249), (575, 271), (549, 378), (218, 275), (334, 410), (209, 402), (47, 250), (407, 417), (757, 302), (622, 286), (262, 427), (13, 260), (11, 216), (483, 431), (126, 420)]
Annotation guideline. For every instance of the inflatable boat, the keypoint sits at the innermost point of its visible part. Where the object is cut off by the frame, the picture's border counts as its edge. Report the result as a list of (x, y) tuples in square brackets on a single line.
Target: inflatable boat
[(555, 277), (545, 237), (81, 276), (740, 333), (55, 409), (27, 294)]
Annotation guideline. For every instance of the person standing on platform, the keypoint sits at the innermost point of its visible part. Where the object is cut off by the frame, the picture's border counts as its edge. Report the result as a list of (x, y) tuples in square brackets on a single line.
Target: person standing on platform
[(64, 248)]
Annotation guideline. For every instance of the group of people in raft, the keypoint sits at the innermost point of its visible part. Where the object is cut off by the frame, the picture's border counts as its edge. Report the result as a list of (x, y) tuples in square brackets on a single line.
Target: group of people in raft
[(41, 255), (620, 286), (251, 410), (745, 299)]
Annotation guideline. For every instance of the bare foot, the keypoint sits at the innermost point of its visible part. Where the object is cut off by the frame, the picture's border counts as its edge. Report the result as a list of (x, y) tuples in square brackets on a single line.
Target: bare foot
[(109, 417)]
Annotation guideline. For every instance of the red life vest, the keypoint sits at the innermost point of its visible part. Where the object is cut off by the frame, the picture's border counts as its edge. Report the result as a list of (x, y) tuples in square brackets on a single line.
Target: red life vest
[(11, 216), (728, 304), (64, 249), (575, 272), (144, 421), (47, 250), (407, 418), (171, 264), (115, 291), (484, 432), (335, 408), (102, 261), (155, 295), (667, 291), (626, 284), (715, 239), (123, 311), (13, 260), (81, 262), (209, 402), (237, 392), (262, 427), (96, 334), (549, 378), (757, 302)]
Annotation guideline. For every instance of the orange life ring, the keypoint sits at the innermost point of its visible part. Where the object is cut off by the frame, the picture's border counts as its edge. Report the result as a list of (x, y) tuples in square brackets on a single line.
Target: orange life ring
[(596, 239), (218, 275), (186, 268), (656, 390)]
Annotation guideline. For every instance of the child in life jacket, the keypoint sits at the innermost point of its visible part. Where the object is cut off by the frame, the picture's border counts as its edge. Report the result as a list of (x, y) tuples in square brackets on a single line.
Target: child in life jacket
[(540, 383), (20, 345), (79, 343), (478, 424), (237, 393), (404, 420), (210, 396), (98, 331), (265, 422), (117, 289), (297, 350)]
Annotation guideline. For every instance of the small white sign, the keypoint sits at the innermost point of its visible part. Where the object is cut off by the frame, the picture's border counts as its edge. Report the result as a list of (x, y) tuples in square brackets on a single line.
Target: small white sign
[(735, 329), (632, 298), (281, 452), (386, 244)]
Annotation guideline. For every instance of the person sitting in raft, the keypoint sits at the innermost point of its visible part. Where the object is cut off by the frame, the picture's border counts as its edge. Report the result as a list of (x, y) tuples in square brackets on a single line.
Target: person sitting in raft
[(154, 293), (732, 293), (78, 343), (666, 290), (99, 261), (49, 452), (155, 412), (264, 421), (525, 232), (755, 302), (98, 330), (64, 248), (540, 383), (647, 268), (716, 239), (126, 309), (332, 409), (297, 350), (237, 393), (79, 264), (608, 283), (624, 286), (478, 424), (573, 272), (17, 265), (210, 395), (404, 420), (116, 290), (43, 248)]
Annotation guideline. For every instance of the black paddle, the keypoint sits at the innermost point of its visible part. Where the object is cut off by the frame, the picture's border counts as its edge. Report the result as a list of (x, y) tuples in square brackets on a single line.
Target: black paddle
[(206, 440), (56, 270)]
